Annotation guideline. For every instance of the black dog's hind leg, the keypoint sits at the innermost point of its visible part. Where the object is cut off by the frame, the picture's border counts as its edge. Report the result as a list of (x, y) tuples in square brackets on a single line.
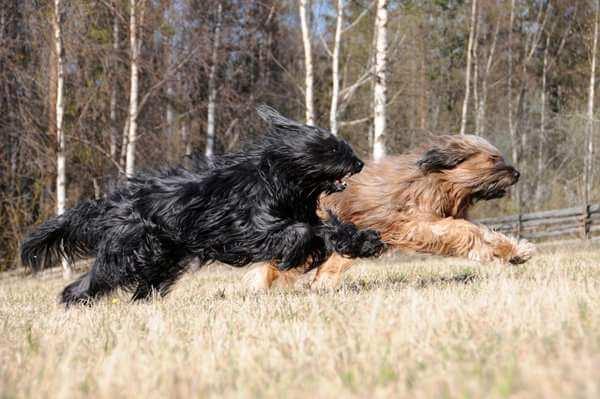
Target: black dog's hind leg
[(85, 290), (159, 263), (111, 270), (157, 284)]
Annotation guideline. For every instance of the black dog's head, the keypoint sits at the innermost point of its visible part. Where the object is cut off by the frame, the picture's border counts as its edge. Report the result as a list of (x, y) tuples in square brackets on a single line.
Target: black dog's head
[(308, 154)]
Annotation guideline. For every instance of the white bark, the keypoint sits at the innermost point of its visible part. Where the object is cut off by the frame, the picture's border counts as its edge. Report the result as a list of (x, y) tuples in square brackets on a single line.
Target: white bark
[(212, 90), (481, 107), (308, 64), (61, 161), (511, 125), (541, 142), (475, 63), (170, 112), (114, 132), (463, 120), (335, 68), (510, 84), (124, 141), (588, 177), (185, 138), (133, 90), (380, 88), (170, 91)]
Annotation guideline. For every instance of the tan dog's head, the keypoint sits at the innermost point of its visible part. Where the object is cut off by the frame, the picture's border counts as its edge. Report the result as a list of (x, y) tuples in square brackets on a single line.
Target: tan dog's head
[(469, 163)]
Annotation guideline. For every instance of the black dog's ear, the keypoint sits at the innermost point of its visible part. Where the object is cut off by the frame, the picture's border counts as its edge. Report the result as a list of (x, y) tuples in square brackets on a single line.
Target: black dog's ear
[(274, 118)]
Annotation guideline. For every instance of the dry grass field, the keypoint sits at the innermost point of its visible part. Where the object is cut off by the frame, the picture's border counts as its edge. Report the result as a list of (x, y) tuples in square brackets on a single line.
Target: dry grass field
[(411, 327)]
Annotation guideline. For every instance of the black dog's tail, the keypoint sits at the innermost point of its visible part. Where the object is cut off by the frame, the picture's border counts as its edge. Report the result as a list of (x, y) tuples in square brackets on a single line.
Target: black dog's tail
[(70, 235)]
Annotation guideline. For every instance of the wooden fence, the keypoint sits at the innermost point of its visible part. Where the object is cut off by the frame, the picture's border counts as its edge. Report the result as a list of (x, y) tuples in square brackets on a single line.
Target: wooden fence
[(582, 222)]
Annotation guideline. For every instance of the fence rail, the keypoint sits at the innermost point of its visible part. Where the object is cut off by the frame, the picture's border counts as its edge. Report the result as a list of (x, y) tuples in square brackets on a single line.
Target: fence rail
[(582, 221)]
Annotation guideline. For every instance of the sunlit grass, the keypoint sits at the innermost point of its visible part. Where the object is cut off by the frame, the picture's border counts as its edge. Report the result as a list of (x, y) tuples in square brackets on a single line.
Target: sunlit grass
[(409, 327)]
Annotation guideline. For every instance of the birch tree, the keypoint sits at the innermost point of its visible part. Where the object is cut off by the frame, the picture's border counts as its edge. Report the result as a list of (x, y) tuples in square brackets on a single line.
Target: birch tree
[(480, 118), (61, 162), (510, 86), (380, 88), (342, 94), (134, 48), (588, 164), (212, 90), (114, 132), (463, 120), (308, 63), (540, 159), (335, 67), (475, 62)]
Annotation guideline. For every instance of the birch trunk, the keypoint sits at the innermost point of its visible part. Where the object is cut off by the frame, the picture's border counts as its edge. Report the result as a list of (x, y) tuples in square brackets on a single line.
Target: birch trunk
[(170, 90), (463, 120), (475, 63), (170, 59), (423, 86), (481, 107), (541, 141), (170, 112), (588, 177), (133, 91), (308, 64), (61, 172), (124, 141), (380, 89), (511, 125), (185, 139), (335, 67), (212, 91), (114, 131)]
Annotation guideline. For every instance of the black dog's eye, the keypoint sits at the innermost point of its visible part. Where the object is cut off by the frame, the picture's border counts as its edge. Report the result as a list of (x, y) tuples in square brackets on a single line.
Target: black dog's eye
[(333, 150)]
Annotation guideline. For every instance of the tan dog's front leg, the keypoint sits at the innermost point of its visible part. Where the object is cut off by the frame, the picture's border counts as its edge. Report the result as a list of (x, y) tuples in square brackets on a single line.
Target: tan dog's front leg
[(261, 277), (329, 273), (459, 237)]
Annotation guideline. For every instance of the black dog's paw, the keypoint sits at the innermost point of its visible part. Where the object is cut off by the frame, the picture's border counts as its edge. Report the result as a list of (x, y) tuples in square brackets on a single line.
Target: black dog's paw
[(347, 240), (369, 244), (360, 244)]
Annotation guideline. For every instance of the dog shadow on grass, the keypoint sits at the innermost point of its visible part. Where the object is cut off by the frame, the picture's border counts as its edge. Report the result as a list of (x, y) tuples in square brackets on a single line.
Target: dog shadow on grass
[(400, 281), (358, 285)]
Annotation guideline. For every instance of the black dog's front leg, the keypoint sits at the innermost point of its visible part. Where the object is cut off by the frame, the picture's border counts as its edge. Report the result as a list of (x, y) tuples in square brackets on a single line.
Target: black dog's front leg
[(347, 240)]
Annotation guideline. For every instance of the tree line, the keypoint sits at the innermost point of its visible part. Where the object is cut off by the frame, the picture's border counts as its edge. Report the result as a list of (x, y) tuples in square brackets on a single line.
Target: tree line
[(93, 90)]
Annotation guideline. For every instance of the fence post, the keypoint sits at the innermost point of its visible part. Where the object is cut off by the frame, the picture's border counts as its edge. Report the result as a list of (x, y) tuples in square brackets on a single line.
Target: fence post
[(587, 221)]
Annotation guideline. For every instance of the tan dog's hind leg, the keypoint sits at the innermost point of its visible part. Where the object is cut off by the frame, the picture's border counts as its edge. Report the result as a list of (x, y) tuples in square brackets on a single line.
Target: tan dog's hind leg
[(329, 273), (459, 237), (262, 277)]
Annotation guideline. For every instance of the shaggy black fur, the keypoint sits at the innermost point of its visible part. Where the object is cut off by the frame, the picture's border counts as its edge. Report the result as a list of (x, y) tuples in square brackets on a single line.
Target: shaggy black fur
[(252, 206)]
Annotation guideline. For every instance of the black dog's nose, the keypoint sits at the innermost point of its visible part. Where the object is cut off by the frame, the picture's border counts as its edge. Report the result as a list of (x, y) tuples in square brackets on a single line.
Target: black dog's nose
[(358, 165)]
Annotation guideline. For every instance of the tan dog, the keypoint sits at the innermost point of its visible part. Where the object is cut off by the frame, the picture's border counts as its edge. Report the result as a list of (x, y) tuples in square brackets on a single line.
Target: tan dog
[(419, 202)]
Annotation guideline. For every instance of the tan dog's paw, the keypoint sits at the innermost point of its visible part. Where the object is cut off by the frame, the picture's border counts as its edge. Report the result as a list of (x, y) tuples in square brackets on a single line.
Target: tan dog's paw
[(525, 250), (325, 281)]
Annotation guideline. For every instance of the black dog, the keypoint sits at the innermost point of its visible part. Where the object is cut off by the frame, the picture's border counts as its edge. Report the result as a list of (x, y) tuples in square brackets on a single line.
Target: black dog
[(256, 205)]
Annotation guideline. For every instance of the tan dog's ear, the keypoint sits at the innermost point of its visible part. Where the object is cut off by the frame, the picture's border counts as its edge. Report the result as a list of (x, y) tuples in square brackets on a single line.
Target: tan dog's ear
[(444, 155)]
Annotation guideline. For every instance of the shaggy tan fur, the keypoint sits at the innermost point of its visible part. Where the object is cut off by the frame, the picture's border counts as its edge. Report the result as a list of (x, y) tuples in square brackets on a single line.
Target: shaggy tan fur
[(419, 202)]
